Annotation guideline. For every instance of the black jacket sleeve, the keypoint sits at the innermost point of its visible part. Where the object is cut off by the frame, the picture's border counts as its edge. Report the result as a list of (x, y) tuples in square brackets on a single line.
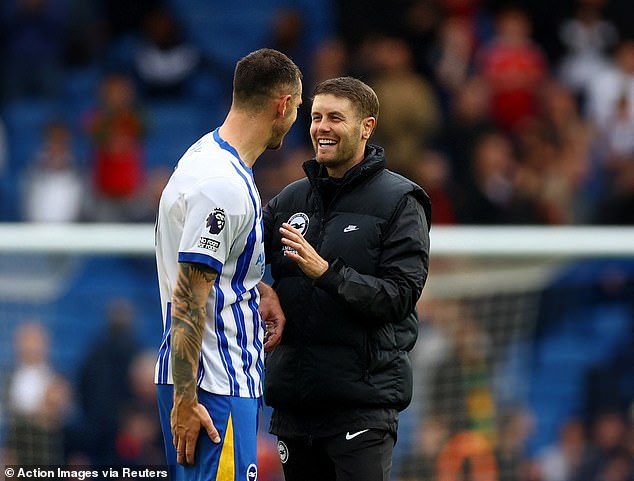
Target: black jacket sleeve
[(392, 294)]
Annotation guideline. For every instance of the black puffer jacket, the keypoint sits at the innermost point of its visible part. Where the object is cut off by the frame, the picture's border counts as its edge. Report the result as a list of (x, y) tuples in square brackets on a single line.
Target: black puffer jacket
[(348, 334)]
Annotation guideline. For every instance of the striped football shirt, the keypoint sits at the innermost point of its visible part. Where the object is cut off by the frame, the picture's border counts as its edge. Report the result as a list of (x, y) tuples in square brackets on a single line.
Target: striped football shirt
[(210, 213)]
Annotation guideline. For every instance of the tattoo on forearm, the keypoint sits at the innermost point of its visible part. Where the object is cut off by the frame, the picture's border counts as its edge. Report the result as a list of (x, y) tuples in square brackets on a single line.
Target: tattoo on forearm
[(188, 324)]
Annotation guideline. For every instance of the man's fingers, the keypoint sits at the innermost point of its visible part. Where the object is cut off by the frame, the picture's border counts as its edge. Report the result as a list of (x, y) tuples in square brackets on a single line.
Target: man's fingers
[(291, 243), (185, 450), (207, 423), (291, 234), (272, 341), (272, 336), (290, 229), (212, 432), (293, 256), (180, 450), (190, 449), (286, 233)]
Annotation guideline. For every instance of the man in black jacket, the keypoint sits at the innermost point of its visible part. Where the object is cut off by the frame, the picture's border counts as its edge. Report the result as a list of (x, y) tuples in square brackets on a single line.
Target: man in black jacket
[(349, 251)]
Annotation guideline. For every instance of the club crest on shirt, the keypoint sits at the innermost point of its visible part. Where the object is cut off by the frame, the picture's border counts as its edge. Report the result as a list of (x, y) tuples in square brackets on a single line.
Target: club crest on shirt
[(252, 472), (299, 221), (216, 221), (282, 449)]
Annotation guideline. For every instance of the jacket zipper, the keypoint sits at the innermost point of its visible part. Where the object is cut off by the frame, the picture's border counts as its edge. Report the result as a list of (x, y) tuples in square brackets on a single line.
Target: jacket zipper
[(366, 356)]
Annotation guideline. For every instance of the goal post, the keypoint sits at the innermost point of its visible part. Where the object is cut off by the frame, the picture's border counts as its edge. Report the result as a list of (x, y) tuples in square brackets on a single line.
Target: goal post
[(515, 242)]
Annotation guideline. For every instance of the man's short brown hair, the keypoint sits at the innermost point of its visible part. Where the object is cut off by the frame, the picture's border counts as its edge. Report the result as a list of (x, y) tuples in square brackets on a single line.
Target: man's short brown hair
[(261, 74), (360, 94)]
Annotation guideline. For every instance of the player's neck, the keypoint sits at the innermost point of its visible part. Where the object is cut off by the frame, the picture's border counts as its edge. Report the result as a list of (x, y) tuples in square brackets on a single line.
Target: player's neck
[(245, 133)]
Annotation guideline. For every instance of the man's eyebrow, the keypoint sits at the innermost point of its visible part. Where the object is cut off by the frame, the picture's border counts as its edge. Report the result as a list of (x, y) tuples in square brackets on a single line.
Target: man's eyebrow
[(330, 113)]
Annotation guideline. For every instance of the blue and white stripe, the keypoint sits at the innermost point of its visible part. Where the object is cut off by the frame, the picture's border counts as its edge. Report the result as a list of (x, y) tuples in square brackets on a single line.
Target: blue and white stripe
[(211, 174)]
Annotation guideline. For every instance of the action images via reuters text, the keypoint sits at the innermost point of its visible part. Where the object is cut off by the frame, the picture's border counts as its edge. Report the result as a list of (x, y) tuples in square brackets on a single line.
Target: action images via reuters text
[(82, 474)]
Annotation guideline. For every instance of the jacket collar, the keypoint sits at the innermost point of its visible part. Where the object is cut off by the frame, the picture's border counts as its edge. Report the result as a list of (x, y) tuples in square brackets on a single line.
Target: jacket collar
[(373, 162)]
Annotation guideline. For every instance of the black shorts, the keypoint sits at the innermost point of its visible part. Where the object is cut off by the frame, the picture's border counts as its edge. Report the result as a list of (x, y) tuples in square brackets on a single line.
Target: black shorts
[(364, 455)]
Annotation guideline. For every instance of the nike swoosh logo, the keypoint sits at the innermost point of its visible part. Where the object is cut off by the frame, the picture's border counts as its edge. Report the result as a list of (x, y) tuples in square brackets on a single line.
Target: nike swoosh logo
[(350, 228), (354, 435)]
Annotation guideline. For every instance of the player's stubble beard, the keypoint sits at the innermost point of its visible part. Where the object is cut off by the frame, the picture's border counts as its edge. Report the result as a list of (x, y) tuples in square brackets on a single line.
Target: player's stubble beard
[(280, 129), (278, 132)]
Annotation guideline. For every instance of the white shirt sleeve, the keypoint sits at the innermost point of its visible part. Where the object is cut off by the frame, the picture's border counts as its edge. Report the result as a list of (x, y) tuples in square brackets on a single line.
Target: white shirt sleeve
[(216, 212)]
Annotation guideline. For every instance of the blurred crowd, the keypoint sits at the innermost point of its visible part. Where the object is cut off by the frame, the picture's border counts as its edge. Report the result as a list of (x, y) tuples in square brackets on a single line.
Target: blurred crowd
[(105, 415), (505, 112), (460, 426), (101, 412)]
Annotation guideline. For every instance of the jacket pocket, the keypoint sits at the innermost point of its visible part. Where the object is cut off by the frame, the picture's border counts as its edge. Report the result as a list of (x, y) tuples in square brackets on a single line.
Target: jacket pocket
[(281, 376)]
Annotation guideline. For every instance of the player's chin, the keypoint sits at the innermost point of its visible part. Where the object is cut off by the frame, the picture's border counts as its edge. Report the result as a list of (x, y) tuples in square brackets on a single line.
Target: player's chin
[(275, 144)]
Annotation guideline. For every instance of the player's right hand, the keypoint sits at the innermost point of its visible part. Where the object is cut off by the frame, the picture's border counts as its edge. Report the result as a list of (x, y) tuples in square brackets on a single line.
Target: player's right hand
[(272, 315), (186, 421)]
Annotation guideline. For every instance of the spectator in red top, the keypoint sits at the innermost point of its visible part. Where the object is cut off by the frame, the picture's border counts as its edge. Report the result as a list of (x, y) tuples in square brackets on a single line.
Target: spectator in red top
[(116, 131), (515, 68), (432, 171)]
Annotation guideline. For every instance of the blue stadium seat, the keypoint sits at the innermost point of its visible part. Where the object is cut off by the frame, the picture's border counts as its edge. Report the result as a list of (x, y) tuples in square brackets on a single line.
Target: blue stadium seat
[(9, 197), (83, 317), (25, 119), (81, 89), (172, 126), (225, 31), (583, 339)]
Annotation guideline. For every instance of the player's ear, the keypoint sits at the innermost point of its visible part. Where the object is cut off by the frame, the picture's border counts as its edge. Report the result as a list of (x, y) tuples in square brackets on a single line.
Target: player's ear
[(283, 104)]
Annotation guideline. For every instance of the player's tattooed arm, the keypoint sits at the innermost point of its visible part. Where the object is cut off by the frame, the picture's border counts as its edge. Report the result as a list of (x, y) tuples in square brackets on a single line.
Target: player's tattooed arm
[(193, 286), (189, 302)]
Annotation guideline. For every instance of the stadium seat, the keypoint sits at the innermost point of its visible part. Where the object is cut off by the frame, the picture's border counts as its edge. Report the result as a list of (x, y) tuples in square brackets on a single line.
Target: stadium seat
[(25, 119), (226, 31), (581, 340), (9, 197), (172, 126), (83, 317), (81, 90)]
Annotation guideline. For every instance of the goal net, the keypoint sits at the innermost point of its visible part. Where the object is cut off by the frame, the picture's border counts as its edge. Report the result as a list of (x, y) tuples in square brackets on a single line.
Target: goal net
[(515, 324)]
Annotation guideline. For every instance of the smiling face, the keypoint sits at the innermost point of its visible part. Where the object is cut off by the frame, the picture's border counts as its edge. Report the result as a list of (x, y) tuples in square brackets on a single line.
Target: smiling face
[(338, 133)]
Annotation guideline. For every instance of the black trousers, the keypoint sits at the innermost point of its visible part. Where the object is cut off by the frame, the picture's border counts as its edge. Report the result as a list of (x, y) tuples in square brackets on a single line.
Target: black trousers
[(364, 455)]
